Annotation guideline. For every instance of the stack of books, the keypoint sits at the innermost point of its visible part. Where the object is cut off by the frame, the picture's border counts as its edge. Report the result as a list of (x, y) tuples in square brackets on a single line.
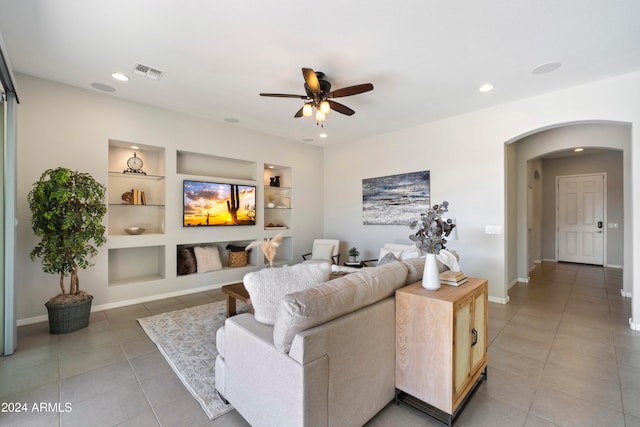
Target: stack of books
[(452, 278)]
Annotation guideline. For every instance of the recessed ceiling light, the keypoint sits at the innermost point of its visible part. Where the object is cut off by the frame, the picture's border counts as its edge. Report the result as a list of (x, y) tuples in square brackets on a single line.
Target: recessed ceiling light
[(135, 147), (103, 87), (546, 68), (486, 87), (120, 76), (577, 150), (231, 120), (323, 135)]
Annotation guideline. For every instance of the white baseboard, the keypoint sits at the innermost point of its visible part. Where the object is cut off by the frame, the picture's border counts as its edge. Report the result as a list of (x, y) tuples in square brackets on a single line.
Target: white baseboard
[(499, 300), (109, 306), (613, 266), (550, 260), (511, 283), (523, 279)]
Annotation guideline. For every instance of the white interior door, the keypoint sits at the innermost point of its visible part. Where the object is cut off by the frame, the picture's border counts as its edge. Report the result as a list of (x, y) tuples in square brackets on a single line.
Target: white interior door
[(581, 219)]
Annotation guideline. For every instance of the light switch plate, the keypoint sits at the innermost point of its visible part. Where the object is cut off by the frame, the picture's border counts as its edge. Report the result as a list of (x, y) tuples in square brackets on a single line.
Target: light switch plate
[(492, 229)]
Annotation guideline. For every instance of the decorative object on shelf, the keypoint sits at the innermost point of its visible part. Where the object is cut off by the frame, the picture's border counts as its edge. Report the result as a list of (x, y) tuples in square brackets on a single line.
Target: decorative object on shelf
[(430, 237), (272, 199), (237, 255), (395, 199), (275, 226), (134, 197), (274, 181), (353, 254), (67, 209), (269, 247), (134, 230), (134, 165)]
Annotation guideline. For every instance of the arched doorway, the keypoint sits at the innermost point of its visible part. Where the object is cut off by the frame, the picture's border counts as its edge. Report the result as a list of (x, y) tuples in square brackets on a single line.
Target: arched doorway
[(527, 203)]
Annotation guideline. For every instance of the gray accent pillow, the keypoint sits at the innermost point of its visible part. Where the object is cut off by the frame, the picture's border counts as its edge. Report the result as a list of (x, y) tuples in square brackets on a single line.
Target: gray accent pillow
[(389, 257)]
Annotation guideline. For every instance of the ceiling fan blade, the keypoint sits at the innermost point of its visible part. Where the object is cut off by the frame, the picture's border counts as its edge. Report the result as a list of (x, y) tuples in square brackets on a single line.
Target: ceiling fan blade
[(311, 79), (284, 95), (350, 90), (299, 113), (335, 106)]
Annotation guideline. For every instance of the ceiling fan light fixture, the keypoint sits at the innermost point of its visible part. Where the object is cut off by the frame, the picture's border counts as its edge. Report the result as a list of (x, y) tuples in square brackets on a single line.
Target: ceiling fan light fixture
[(325, 107), (307, 110), (320, 116)]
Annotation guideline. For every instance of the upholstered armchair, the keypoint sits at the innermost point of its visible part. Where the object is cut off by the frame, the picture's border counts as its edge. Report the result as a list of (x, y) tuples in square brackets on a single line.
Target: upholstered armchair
[(323, 250)]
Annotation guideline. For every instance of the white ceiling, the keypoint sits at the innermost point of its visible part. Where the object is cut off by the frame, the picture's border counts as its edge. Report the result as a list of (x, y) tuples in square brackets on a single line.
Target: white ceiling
[(425, 58)]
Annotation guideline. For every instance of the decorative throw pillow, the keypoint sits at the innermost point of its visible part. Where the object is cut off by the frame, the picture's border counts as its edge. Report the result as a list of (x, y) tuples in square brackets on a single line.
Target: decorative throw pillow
[(322, 251), (186, 262), (389, 257), (384, 252), (267, 287), (208, 258), (413, 252)]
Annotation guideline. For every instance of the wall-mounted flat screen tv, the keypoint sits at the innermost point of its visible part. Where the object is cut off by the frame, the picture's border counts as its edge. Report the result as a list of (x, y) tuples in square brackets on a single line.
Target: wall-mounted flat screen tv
[(212, 203)]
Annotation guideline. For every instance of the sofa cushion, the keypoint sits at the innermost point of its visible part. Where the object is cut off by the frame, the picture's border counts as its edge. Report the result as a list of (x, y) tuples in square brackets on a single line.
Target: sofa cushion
[(302, 310), (415, 267), (267, 287)]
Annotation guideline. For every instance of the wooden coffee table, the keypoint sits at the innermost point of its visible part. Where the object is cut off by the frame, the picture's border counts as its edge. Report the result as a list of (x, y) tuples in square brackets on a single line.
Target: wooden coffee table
[(235, 292)]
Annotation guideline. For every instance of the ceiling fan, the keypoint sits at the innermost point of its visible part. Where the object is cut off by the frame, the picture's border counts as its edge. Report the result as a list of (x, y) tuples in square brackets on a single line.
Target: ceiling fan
[(319, 95)]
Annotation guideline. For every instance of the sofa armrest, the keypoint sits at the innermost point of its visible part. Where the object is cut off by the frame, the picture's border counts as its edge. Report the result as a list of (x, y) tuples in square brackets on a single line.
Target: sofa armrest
[(265, 385)]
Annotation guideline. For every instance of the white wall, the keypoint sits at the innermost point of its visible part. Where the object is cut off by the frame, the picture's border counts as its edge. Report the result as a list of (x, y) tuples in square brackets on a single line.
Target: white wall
[(466, 157), (59, 125)]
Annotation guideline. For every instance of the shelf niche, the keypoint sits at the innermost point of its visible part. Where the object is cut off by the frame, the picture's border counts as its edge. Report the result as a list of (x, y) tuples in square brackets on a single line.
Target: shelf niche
[(138, 264), (277, 200), (188, 163), (252, 256), (151, 215)]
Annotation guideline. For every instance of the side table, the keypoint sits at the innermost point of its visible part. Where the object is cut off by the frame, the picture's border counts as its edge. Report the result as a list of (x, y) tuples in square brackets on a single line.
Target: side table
[(234, 292), (441, 346)]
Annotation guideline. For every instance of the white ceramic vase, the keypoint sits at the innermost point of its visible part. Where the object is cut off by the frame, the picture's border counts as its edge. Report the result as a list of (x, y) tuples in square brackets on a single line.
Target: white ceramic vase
[(431, 275)]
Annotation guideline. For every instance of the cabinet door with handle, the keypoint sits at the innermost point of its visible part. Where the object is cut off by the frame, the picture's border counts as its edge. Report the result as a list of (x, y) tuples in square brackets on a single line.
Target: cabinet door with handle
[(462, 341), (479, 330)]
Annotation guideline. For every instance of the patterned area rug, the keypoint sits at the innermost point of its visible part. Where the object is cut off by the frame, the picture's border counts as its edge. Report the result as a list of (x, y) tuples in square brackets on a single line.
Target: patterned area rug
[(187, 339)]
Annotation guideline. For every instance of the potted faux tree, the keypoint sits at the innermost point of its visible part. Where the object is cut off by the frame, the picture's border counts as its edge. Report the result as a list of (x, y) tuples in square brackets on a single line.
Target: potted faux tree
[(67, 208)]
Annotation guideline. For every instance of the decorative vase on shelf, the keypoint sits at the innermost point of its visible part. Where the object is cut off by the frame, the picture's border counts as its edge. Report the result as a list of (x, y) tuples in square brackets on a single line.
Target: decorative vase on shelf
[(431, 275)]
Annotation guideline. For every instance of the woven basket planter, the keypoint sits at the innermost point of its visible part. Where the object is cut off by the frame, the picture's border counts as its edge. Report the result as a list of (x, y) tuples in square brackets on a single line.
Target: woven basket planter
[(65, 318)]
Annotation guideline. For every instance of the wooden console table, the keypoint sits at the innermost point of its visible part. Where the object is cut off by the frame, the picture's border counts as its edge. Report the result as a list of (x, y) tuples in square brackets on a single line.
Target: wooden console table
[(441, 346)]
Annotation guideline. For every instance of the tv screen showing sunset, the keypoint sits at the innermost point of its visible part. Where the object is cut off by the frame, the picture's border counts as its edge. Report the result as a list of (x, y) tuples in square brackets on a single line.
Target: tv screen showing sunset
[(210, 204)]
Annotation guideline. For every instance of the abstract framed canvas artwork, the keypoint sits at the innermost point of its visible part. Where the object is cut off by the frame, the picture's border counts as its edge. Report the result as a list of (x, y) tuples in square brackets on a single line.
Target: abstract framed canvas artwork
[(395, 199)]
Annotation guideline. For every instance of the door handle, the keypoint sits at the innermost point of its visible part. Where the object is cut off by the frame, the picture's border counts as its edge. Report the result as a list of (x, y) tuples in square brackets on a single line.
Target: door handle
[(599, 224), (475, 337)]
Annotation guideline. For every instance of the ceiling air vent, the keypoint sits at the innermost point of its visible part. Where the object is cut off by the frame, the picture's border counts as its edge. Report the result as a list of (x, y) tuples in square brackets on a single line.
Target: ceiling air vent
[(145, 70)]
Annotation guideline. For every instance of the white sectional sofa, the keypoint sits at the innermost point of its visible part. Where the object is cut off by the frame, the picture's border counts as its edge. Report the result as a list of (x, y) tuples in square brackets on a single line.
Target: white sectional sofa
[(329, 357)]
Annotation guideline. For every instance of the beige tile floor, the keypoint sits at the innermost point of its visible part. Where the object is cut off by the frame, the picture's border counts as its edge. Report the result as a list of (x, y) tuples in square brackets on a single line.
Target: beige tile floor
[(560, 353)]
